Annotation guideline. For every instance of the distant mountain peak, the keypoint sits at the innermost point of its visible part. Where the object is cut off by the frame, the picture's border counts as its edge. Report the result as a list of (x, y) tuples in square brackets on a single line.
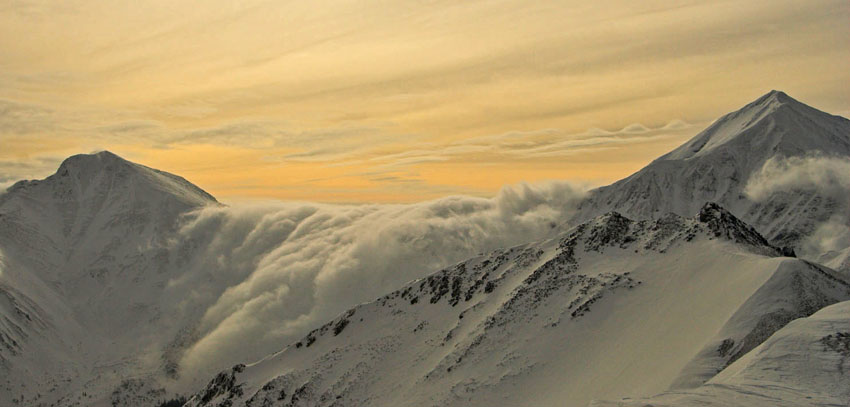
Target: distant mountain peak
[(103, 178), (774, 120), (106, 169), (777, 95), (717, 164), (99, 161), (769, 102), (99, 156)]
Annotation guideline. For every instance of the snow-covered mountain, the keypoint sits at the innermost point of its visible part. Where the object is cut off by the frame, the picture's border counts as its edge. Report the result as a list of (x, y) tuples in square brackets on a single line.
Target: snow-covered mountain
[(83, 267), (717, 164), (609, 309)]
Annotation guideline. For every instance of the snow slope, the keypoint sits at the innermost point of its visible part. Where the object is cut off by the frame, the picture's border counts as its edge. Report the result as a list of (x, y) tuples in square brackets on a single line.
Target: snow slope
[(81, 274), (717, 164), (806, 363), (612, 308)]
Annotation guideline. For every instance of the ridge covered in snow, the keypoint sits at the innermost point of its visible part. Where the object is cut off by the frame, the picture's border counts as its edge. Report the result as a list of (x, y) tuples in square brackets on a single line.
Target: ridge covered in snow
[(581, 316)]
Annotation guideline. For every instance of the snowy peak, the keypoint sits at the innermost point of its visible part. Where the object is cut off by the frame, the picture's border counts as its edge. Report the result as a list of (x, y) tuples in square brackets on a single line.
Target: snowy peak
[(718, 164), (108, 168), (776, 122), (773, 98), (95, 209), (92, 162), (93, 178), (87, 261)]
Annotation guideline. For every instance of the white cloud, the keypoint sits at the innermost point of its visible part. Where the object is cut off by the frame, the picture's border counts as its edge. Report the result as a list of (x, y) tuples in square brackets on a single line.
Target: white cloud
[(266, 275), (829, 176)]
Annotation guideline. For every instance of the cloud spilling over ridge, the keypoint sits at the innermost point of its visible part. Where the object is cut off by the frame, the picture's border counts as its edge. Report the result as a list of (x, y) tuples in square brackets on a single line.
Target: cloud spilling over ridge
[(273, 272), (828, 175)]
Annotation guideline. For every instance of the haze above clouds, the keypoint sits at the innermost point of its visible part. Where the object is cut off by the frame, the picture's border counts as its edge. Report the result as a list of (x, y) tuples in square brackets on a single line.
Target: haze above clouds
[(383, 101)]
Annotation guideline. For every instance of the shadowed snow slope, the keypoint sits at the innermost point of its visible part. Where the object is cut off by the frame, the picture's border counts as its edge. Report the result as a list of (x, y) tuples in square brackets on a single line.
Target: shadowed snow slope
[(806, 363), (718, 164), (611, 308)]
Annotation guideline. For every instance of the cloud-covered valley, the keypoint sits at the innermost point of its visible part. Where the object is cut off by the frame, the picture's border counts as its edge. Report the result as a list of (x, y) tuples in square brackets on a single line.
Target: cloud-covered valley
[(265, 275)]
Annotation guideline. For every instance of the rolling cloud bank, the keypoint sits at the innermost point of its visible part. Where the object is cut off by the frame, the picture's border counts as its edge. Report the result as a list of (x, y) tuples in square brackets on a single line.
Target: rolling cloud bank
[(289, 267)]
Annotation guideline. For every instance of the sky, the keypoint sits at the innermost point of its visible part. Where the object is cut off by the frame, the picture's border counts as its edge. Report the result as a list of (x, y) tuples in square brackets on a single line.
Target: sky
[(396, 101)]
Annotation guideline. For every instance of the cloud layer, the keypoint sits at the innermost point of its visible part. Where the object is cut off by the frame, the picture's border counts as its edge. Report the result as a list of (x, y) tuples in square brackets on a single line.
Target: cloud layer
[(289, 267)]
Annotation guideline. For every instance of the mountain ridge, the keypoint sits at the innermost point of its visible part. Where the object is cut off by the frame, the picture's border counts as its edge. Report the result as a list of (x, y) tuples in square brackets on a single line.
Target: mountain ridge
[(539, 288)]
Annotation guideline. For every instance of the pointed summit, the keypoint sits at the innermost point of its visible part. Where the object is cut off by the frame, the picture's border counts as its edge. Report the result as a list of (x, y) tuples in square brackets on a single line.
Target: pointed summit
[(717, 164), (769, 103), (83, 173), (87, 165), (101, 190), (778, 96), (773, 123), (102, 156)]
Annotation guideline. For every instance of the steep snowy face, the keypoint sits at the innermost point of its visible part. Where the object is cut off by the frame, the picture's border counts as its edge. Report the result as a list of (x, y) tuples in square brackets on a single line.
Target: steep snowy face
[(611, 308), (773, 124), (91, 206), (93, 192), (717, 164), (82, 269), (83, 227)]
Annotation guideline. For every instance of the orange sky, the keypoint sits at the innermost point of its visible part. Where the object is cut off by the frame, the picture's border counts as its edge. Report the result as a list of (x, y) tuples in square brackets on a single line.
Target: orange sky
[(396, 101)]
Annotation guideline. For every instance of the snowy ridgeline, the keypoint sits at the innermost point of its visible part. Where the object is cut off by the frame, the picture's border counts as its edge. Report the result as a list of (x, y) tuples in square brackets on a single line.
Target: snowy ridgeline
[(104, 295), (778, 164), (613, 308)]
